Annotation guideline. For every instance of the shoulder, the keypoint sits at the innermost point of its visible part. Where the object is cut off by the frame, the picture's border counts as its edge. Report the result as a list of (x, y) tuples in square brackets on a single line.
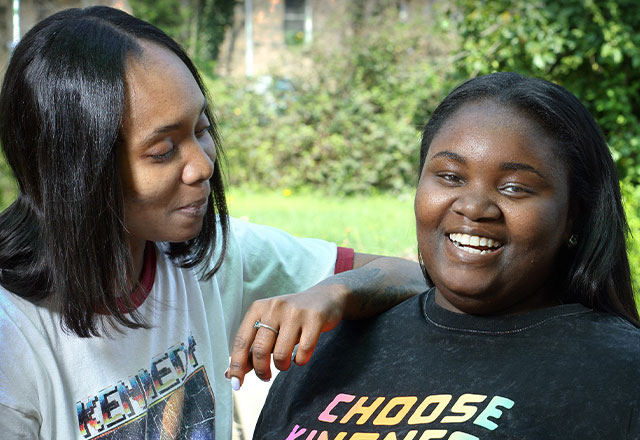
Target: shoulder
[(19, 315), (606, 329), (26, 340), (354, 342), (608, 332)]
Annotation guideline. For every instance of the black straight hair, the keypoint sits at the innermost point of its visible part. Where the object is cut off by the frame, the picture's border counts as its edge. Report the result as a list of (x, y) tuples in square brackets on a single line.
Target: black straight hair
[(63, 240), (596, 271)]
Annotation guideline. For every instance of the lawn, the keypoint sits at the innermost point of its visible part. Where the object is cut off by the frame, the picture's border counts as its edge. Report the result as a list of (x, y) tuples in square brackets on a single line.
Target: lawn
[(380, 224)]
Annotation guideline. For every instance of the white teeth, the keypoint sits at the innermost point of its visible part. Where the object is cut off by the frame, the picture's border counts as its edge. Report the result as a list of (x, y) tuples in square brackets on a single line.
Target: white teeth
[(465, 240)]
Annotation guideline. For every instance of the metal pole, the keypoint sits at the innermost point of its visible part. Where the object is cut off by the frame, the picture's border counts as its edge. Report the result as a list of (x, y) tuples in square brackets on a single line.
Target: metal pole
[(248, 27), (308, 23), (16, 23)]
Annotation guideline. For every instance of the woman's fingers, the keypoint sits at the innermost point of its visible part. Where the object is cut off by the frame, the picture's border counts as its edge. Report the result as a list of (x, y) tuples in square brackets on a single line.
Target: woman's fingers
[(285, 343), (275, 326), (308, 341), (261, 349)]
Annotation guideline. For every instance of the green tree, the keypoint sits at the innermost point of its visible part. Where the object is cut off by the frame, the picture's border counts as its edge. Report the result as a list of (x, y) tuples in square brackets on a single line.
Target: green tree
[(590, 47), (198, 25)]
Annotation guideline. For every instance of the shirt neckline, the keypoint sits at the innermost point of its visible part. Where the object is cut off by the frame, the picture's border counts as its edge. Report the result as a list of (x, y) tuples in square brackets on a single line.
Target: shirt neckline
[(145, 282), (496, 325), (147, 277)]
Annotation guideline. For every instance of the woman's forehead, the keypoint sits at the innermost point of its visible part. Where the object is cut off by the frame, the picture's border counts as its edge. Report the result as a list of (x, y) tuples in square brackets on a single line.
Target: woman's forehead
[(160, 91), (503, 130)]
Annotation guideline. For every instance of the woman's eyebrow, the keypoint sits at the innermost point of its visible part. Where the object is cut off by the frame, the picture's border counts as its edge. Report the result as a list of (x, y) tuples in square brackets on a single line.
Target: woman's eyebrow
[(517, 166), (449, 155), (168, 128)]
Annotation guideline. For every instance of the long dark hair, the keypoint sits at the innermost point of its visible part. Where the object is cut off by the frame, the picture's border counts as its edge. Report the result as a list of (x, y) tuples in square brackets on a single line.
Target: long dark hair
[(63, 240), (596, 271)]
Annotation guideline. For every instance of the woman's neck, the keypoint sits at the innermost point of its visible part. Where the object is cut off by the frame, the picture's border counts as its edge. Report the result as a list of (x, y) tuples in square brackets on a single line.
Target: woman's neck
[(137, 257)]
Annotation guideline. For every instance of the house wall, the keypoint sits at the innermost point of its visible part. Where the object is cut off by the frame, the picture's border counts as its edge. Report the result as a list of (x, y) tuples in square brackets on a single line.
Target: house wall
[(271, 55), (270, 51)]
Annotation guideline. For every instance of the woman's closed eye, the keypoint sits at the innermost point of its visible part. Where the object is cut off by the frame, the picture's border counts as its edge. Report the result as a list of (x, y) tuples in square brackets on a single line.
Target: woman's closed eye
[(164, 154)]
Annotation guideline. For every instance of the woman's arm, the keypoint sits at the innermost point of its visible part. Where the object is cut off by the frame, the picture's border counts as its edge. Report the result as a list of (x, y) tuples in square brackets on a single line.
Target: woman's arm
[(374, 285)]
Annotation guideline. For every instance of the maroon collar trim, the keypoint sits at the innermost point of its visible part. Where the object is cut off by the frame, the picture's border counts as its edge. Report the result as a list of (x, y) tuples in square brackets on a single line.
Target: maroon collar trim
[(147, 277), (145, 283)]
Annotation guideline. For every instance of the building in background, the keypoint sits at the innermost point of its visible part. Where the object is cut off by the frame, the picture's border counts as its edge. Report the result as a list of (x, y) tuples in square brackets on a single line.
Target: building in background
[(29, 12), (266, 35)]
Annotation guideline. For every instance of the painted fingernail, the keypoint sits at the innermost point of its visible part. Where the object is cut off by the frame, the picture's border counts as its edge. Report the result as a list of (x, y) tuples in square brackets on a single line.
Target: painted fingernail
[(235, 383)]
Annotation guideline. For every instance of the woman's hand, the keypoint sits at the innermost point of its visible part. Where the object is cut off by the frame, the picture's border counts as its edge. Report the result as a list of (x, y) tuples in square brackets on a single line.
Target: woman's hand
[(298, 319), (374, 285)]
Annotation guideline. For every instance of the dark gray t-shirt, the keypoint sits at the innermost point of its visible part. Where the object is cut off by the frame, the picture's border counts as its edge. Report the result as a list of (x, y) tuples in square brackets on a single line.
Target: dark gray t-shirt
[(421, 372)]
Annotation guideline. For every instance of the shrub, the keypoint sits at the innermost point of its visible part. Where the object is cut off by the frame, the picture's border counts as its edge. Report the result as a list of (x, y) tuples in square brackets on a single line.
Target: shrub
[(590, 47), (351, 126), (631, 195)]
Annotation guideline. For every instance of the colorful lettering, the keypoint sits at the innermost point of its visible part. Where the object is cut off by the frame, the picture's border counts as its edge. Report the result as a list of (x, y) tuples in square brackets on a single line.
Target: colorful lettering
[(364, 411), (88, 423), (405, 404), (112, 411), (326, 415), (192, 352), (492, 411), (129, 395), (462, 407), (296, 432), (440, 400), (176, 361), (164, 377), (147, 385), (128, 398)]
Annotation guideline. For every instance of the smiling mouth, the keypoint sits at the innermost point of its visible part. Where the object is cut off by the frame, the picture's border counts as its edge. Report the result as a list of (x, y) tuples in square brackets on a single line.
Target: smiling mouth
[(474, 244)]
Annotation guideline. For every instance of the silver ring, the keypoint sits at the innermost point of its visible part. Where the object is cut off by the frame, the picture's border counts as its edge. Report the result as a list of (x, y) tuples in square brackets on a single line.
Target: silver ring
[(259, 324)]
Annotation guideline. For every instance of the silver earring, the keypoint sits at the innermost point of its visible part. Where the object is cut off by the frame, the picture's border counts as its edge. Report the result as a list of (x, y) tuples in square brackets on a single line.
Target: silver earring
[(573, 241)]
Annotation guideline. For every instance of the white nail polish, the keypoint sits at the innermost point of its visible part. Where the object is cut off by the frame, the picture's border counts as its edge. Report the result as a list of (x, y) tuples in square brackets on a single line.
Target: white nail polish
[(235, 383)]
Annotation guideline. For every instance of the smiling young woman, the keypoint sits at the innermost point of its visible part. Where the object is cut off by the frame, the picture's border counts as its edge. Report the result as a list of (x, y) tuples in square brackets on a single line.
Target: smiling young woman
[(492, 174), (530, 330)]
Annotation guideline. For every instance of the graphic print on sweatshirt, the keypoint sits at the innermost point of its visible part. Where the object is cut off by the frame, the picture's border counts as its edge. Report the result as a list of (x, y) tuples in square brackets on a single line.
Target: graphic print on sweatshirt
[(350, 417), (173, 399)]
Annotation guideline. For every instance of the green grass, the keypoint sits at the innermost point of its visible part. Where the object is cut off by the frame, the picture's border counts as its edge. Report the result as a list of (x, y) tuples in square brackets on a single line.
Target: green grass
[(380, 224)]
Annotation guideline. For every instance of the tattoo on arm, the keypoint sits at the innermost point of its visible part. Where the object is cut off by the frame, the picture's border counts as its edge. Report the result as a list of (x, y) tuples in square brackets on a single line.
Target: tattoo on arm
[(370, 289)]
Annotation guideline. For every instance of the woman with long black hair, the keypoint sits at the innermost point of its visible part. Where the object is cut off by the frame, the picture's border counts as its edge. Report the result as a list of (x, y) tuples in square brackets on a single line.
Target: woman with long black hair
[(122, 277)]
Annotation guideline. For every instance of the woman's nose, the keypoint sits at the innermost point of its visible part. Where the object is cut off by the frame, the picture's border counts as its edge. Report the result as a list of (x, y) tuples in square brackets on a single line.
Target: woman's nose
[(199, 165), (476, 204)]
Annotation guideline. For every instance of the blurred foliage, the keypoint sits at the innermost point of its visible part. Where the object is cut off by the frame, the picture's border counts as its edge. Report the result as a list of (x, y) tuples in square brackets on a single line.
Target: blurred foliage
[(631, 196), (8, 187), (591, 47), (198, 25), (350, 126)]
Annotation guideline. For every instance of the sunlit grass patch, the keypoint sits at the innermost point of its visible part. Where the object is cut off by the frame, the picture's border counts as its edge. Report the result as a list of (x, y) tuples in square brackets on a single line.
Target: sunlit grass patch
[(379, 224)]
